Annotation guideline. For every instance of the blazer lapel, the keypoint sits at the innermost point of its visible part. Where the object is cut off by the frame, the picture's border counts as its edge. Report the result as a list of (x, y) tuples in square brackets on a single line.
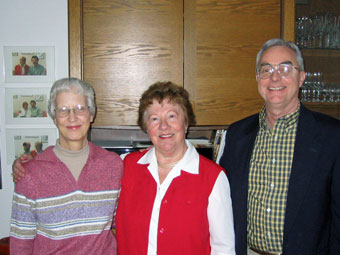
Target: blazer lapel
[(247, 145), (305, 156), (240, 182)]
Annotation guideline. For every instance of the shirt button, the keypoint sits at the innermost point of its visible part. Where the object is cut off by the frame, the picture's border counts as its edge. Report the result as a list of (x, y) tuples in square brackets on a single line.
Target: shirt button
[(274, 160), (272, 185), (275, 137), (165, 202), (268, 234), (161, 230), (268, 210)]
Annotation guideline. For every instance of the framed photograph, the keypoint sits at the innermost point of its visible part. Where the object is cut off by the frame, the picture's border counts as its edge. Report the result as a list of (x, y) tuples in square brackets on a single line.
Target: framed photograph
[(27, 106), (29, 64), (28, 141)]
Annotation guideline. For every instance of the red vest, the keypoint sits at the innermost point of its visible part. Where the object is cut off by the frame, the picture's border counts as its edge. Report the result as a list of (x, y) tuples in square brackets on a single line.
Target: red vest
[(183, 226), (17, 70)]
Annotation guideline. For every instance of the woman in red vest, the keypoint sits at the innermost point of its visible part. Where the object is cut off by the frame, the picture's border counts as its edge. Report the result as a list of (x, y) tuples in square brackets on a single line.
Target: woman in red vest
[(173, 200), (22, 68)]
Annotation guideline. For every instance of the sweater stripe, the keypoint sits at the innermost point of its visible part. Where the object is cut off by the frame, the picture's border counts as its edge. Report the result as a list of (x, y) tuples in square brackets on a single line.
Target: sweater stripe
[(68, 210)]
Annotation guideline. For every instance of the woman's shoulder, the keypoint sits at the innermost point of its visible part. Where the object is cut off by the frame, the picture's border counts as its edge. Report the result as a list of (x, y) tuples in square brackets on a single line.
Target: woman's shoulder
[(210, 165), (46, 156), (133, 157), (210, 170)]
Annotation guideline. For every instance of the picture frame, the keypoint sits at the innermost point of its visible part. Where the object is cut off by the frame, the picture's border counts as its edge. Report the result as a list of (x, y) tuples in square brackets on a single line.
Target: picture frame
[(16, 139), (27, 106), (29, 64)]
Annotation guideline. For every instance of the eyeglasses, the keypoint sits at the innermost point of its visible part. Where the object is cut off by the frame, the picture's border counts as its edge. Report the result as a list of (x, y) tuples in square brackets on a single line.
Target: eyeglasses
[(79, 110), (283, 70)]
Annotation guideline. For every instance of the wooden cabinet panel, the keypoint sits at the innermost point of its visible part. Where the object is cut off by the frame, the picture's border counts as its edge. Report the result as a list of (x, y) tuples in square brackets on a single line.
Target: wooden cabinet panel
[(128, 45), (208, 46), (220, 51)]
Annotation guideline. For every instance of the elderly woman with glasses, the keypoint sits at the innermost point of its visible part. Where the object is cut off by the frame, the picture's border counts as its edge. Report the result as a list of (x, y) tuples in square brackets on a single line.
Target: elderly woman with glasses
[(66, 201), (173, 200)]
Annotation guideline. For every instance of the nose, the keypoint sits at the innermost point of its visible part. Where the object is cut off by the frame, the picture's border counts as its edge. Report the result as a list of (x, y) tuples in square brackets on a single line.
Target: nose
[(164, 124), (275, 75), (71, 114)]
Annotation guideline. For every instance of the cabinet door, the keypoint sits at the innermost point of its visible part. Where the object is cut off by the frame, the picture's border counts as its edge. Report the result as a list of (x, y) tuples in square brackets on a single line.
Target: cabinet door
[(127, 46), (323, 60), (121, 47), (221, 40)]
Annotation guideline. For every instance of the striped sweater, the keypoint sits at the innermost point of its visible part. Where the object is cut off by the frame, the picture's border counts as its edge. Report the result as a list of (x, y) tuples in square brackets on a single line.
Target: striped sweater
[(52, 213)]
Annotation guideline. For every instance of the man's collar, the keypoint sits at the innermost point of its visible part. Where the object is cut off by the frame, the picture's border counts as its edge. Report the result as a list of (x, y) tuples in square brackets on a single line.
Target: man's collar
[(289, 119)]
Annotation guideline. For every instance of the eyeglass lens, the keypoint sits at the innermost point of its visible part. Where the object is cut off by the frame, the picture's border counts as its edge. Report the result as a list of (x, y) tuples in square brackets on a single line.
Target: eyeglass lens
[(78, 110), (283, 70)]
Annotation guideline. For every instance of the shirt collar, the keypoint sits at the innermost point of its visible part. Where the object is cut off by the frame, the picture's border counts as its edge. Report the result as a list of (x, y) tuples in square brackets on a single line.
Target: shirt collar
[(189, 163), (289, 120)]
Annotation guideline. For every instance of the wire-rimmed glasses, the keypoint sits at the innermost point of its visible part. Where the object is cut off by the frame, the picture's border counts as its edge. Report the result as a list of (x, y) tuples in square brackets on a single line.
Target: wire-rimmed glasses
[(283, 70), (78, 110)]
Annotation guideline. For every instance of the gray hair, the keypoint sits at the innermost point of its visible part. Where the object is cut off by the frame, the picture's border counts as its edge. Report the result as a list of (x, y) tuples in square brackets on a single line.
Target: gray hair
[(74, 85), (280, 42)]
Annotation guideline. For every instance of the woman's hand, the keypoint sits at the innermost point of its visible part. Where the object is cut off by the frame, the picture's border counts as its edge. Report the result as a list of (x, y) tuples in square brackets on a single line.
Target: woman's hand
[(18, 171)]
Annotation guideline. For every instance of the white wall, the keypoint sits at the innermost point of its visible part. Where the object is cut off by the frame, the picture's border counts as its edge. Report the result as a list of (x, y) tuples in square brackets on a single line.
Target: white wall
[(27, 23)]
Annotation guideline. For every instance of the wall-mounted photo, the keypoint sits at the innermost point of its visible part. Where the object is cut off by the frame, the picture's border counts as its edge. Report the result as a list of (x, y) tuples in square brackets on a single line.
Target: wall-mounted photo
[(28, 141), (27, 106), (29, 63)]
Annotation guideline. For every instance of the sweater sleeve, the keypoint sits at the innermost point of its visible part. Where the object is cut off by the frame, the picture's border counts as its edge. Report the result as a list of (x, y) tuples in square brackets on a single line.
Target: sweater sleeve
[(23, 223)]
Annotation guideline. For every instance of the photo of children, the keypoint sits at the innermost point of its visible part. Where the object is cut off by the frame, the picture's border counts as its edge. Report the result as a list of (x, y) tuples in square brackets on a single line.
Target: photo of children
[(32, 145), (29, 106), (29, 63)]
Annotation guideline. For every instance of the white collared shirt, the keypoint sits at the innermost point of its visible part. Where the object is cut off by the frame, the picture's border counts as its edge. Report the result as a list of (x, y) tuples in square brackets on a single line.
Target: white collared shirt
[(220, 215)]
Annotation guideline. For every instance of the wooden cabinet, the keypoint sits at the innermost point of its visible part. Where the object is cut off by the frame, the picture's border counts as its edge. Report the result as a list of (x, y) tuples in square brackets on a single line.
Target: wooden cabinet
[(326, 61), (209, 47)]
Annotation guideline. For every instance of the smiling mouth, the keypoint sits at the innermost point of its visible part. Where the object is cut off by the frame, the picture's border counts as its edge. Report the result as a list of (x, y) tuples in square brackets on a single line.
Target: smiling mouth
[(166, 136), (73, 127), (276, 88)]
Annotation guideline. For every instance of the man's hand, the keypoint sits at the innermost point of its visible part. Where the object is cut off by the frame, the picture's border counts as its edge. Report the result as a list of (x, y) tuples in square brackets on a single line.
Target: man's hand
[(18, 171)]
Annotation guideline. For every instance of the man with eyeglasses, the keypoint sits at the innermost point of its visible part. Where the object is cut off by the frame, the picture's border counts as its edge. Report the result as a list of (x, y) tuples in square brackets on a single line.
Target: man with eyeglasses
[(283, 165)]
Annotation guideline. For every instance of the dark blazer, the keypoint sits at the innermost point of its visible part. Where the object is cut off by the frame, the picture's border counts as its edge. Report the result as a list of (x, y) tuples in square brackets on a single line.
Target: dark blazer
[(312, 218)]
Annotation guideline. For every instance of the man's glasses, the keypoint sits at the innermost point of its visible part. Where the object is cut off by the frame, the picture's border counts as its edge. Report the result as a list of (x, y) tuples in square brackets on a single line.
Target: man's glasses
[(283, 70), (79, 110)]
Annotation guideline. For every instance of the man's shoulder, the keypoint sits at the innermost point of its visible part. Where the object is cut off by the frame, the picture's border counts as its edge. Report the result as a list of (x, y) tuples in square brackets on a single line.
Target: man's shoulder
[(322, 121), (248, 119), (248, 123)]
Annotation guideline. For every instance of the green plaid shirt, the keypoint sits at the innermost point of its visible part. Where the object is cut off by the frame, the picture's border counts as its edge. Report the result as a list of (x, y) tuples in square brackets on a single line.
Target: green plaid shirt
[(269, 173)]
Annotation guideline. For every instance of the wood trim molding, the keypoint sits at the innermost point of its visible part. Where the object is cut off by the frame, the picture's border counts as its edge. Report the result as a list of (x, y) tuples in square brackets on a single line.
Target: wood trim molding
[(288, 20), (75, 33)]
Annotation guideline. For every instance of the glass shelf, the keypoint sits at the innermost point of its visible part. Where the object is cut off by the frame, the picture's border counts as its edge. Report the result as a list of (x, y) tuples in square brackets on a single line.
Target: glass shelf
[(317, 52)]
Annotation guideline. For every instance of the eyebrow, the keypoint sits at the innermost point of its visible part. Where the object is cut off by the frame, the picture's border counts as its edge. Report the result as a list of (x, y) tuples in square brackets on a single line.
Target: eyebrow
[(288, 62)]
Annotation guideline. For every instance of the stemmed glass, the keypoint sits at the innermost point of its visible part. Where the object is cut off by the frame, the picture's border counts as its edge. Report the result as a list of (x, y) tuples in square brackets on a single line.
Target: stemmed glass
[(337, 93)]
